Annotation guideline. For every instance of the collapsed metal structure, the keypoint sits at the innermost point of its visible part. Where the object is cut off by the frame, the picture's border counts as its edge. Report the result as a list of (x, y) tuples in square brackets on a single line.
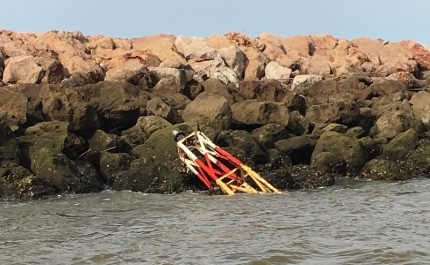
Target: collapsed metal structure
[(210, 162)]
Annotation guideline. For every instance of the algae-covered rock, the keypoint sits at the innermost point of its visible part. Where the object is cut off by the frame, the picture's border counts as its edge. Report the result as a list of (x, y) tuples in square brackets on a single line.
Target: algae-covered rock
[(340, 145), (382, 169)]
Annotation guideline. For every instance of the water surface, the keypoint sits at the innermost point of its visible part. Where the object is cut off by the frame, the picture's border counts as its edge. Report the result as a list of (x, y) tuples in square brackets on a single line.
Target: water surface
[(352, 223)]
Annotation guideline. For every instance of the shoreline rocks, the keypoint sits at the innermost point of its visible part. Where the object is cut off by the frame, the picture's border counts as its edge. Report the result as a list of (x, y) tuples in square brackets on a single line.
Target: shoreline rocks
[(85, 113)]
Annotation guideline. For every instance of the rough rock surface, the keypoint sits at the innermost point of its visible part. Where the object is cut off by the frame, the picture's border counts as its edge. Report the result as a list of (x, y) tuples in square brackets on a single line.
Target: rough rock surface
[(82, 113)]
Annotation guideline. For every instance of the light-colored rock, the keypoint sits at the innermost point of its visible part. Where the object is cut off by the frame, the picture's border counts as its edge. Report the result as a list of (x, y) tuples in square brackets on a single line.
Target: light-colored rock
[(226, 40), (22, 69), (180, 76), (273, 45), (323, 43), (225, 75), (195, 48), (258, 44), (305, 81), (257, 62), (161, 45), (144, 58), (420, 54), (71, 51), (299, 45), (234, 58), (178, 63), (275, 71), (391, 56), (220, 41), (199, 54), (120, 75), (316, 66)]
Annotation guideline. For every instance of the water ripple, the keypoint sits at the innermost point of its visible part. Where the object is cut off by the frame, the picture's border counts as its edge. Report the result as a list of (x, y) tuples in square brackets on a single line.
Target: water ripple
[(356, 223)]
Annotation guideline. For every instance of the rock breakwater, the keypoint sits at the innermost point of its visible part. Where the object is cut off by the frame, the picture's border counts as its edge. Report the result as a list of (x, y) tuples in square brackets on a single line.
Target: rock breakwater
[(83, 113)]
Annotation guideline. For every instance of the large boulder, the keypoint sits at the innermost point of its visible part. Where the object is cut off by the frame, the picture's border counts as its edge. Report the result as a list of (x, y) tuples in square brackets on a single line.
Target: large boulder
[(275, 71), (234, 58), (9, 149), (298, 148), (156, 106), (243, 146), (13, 105), (345, 112), (19, 182), (329, 163), (120, 75), (421, 107), (199, 54), (145, 126), (112, 164), (178, 78), (54, 167), (215, 86), (419, 158), (255, 70), (76, 79), (394, 119), (386, 87), (55, 72), (298, 124), (399, 147), (301, 83), (69, 106), (163, 46), (420, 54), (372, 146), (270, 133), (118, 105), (156, 167), (22, 69), (264, 90), (253, 112), (342, 146), (70, 49), (48, 135), (175, 100), (226, 76), (309, 177), (380, 58), (381, 169), (274, 48), (332, 90), (211, 112), (102, 141)]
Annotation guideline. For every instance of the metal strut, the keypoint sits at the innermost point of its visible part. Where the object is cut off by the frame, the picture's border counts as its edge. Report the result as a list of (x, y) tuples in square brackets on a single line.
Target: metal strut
[(210, 162)]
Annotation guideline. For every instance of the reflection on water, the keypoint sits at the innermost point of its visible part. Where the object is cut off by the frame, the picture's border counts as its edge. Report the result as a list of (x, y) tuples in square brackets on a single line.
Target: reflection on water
[(353, 223)]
